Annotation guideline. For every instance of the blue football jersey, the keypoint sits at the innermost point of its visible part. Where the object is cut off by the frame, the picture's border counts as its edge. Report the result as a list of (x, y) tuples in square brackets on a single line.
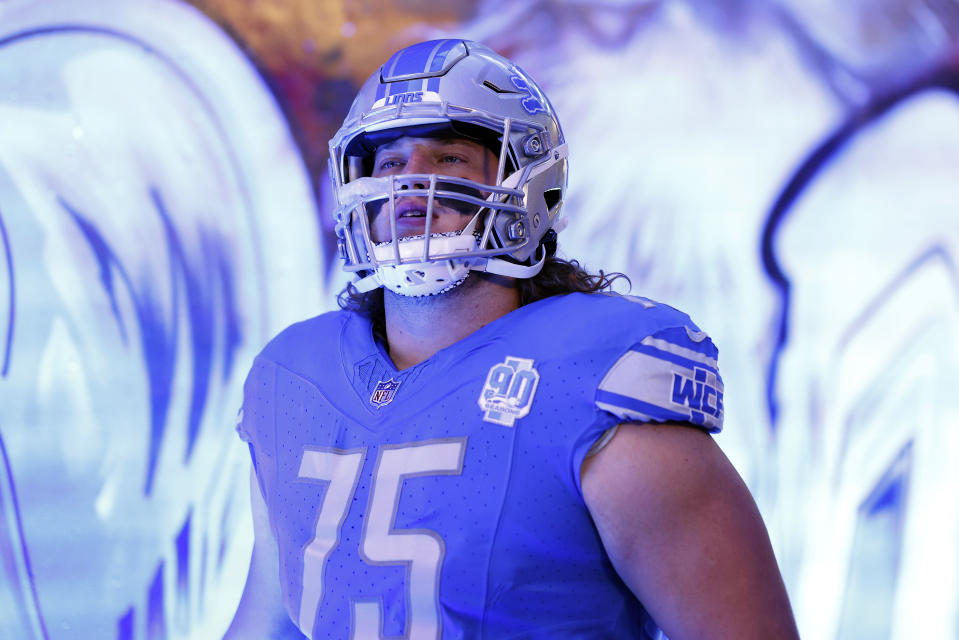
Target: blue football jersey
[(444, 500)]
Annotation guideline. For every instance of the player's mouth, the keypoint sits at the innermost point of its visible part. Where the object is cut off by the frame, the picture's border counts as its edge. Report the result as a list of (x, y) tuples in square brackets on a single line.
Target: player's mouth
[(410, 217), (410, 213), (413, 209)]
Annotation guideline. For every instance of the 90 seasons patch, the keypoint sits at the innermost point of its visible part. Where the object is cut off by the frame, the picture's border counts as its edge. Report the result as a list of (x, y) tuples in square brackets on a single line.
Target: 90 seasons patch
[(508, 392)]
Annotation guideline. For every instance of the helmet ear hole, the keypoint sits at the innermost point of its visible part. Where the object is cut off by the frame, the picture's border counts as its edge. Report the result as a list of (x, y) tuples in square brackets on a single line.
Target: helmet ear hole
[(552, 197)]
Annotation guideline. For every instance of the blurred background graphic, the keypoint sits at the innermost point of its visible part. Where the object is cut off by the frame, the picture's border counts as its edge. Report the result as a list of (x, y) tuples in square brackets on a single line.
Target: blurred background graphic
[(784, 171)]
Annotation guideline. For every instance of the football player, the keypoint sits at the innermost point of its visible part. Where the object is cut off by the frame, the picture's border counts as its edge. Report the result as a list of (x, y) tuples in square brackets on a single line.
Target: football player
[(485, 442)]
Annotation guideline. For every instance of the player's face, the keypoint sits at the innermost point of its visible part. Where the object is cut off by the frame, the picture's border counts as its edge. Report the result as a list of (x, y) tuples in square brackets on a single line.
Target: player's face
[(457, 157)]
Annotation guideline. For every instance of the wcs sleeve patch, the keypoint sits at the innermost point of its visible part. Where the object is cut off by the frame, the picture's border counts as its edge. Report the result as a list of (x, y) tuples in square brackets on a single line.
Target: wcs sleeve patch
[(671, 376)]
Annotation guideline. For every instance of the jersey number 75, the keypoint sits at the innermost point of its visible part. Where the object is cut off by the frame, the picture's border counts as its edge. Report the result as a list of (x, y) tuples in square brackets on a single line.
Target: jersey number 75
[(422, 550)]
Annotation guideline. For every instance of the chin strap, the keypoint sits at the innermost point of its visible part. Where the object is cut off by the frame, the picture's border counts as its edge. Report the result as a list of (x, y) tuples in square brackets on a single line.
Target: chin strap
[(511, 269), (367, 283)]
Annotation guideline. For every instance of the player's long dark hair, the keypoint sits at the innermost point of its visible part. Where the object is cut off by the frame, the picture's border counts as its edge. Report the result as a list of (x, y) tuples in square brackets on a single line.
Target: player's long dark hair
[(557, 277)]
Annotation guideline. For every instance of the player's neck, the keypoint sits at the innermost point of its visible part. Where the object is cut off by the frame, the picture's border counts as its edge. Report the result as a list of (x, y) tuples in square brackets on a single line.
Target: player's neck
[(416, 328)]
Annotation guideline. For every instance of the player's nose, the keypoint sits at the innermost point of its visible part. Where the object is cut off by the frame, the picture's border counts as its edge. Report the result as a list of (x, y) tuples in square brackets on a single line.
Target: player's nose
[(418, 162), (409, 183)]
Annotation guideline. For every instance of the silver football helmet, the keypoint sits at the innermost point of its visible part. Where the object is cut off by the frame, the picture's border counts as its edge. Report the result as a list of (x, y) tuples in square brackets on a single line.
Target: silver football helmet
[(449, 88)]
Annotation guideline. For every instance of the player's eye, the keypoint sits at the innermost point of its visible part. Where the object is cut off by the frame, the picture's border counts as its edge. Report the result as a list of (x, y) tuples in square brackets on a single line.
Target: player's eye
[(387, 164)]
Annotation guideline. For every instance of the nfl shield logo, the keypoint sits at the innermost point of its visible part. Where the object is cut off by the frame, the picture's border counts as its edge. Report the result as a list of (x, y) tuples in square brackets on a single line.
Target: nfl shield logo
[(384, 392)]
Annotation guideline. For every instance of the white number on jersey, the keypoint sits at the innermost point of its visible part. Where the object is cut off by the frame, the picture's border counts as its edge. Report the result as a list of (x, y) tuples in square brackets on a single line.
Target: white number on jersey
[(421, 549)]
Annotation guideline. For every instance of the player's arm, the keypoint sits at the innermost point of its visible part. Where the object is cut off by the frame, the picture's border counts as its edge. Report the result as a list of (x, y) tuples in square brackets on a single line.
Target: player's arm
[(685, 535), (261, 614)]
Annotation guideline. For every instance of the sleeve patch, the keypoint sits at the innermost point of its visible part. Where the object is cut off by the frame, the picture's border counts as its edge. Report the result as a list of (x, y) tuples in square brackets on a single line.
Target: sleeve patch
[(658, 380)]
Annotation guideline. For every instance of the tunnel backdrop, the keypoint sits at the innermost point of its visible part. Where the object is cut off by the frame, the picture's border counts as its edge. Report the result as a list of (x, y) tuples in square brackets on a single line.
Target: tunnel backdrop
[(784, 171)]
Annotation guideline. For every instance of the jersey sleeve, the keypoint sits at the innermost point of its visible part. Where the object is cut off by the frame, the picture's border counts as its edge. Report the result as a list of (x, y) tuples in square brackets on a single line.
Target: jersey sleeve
[(671, 375)]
